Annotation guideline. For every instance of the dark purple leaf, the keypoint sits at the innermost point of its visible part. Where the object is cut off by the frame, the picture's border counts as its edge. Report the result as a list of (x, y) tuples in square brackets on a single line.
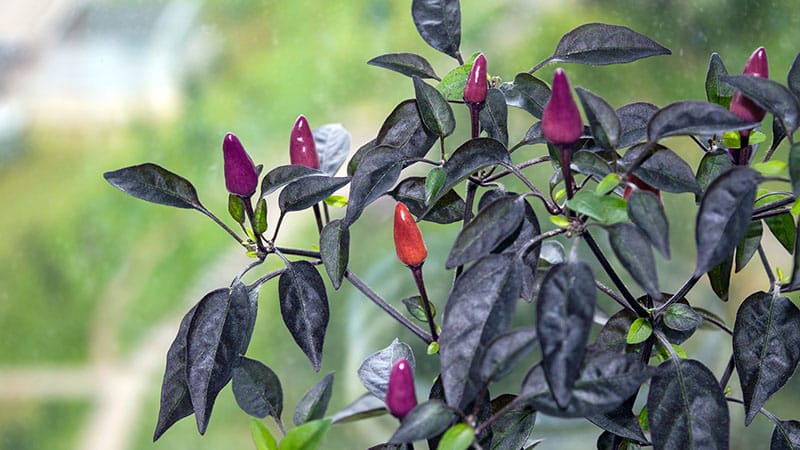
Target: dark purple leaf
[(786, 436), (426, 420), (512, 430), (313, 404), (363, 407), (155, 184), (646, 212), (748, 245), (257, 389), (663, 169), (621, 422), (527, 93), (376, 174), (681, 317), (693, 118), (436, 113), (307, 192), (408, 64), (334, 249), (633, 250), (374, 371), (794, 168), (719, 277), (494, 116), (439, 24), (362, 151), (590, 163), (724, 215), (686, 407), (304, 307), (505, 352), (770, 95), (411, 191), (712, 165), (766, 347), (480, 308), (600, 44), (603, 120), (404, 131), (782, 227), (564, 313), (283, 175), (633, 119), (716, 91)]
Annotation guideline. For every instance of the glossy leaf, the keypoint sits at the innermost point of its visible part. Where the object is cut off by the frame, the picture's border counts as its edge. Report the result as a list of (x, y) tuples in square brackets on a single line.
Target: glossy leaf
[(479, 308), (603, 120), (404, 131), (716, 91), (590, 163), (307, 192), (426, 420), (374, 371), (472, 156), (307, 436), (621, 422), (408, 64), (613, 336), (606, 380), (633, 119), (605, 209), (412, 191), (333, 145), (236, 208), (416, 309), (434, 182), (313, 404), (377, 172), (748, 245), (436, 113), (785, 436), (494, 116), (220, 331), (261, 436), (693, 118), (257, 389), (506, 351), (641, 329), (686, 407), (724, 215), (564, 313), (283, 175), (719, 277), (260, 217), (527, 93), (453, 83), (766, 347), (647, 213), (681, 317), (600, 44), (633, 250), (363, 407), (770, 95), (512, 430), (712, 165), (487, 230), (782, 227), (663, 169), (155, 184), (439, 24), (458, 437), (334, 249), (304, 308)]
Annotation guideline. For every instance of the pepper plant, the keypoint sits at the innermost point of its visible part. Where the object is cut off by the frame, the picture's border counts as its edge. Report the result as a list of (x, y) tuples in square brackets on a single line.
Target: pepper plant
[(610, 170)]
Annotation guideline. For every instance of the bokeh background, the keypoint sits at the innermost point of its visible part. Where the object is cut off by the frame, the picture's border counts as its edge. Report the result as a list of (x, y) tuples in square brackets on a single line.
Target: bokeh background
[(94, 283)]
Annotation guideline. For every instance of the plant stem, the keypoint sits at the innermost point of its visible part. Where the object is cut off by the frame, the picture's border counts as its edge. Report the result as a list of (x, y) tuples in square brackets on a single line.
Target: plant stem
[(726, 377), (417, 271), (765, 262), (298, 252), (774, 212), (611, 294), (524, 165), (539, 66), (566, 160), (552, 208), (474, 115), (773, 206), (678, 295), (266, 278), (763, 411), (633, 305), (248, 209), (361, 286), (318, 217), (225, 227), (277, 227)]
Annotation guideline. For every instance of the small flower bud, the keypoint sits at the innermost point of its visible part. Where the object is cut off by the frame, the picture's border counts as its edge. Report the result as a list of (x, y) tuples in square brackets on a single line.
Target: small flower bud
[(561, 121), (302, 149), (743, 107), (408, 241), (477, 86), (241, 177), (401, 397)]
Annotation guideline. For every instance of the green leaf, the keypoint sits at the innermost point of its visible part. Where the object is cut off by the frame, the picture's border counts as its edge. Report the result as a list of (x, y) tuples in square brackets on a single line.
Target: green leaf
[(261, 436), (748, 245), (607, 184), (782, 227), (605, 209), (770, 168), (439, 24), (434, 182), (717, 91), (641, 329), (416, 309), (408, 64), (458, 437), (260, 222), (307, 436), (334, 249), (719, 277), (527, 93), (436, 113), (681, 317), (314, 403), (336, 201), (600, 44), (236, 208), (453, 83), (712, 165)]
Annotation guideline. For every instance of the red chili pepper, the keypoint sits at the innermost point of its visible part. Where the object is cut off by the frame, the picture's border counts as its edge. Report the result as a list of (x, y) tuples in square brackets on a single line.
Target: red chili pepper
[(401, 396), (408, 241), (302, 149), (561, 120), (241, 177), (742, 106), (477, 85)]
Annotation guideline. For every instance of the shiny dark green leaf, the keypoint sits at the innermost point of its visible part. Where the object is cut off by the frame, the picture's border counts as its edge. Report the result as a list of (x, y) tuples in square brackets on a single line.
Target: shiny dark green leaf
[(778, 133), (770, 95), (633, 119), (412, 191), (647, 213), (527, 93), (260, 222), (494, 116), (719, 277), (687, 408), (641, 329), (785, 436), (564, 313), (415, 307), (663, 169), (693, 118), (236, 208), (155, 184), (590, 163), (304, 308), (506, 351), (307, 192), (434, 182), (724, 216), (333, 145), (600, 44), (748, 245), (716, 91), (257, 389), (313, 404), (487, 230), (479, 308), (603, 120), (782, 227), (426, 420), (512, 430), (436, 113), (404, 131), (439, 24), (374, 371), (711, 166), (766, 347), (453, 83), (334, 249), (361, 408), (376, 174), (605, 381), (633, 250), (307, 436), (408, 64), (283, 175)]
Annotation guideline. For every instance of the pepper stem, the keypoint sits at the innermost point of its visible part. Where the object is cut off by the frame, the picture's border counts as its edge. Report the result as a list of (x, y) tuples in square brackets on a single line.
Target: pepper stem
[(417, 271)]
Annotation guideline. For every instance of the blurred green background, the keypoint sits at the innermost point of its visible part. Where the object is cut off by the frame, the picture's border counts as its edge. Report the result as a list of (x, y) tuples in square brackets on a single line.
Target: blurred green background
[(94, 283)]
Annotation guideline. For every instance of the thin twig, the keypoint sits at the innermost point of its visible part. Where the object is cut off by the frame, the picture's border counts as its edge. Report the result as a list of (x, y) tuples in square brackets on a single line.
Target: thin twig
[(678, 295), (633, 305)]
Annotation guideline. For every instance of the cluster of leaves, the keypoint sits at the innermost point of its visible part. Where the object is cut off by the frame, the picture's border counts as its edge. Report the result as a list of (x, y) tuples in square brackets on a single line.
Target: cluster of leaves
[(502, 257)]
